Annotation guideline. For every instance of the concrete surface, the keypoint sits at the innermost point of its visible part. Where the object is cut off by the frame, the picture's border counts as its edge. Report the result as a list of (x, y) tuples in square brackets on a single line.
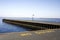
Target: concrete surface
[(52, 34)]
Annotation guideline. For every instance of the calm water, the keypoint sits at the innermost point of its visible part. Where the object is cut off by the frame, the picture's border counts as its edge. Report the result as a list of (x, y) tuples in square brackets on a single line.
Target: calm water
[(4, 27)]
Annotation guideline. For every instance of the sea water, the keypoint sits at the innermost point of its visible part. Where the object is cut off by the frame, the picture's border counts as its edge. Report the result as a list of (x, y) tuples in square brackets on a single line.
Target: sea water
[(4, 27)]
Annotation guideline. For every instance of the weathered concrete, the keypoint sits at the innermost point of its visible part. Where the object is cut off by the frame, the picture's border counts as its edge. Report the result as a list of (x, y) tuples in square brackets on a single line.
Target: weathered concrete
[(33, 24), (24, 24), (53, 34)]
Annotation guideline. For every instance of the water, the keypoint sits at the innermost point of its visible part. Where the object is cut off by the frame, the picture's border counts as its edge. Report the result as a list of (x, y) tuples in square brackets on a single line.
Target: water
[(4, 27)]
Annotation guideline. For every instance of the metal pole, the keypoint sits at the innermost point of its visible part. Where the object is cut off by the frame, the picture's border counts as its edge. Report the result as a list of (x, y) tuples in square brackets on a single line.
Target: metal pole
[(32, 17)]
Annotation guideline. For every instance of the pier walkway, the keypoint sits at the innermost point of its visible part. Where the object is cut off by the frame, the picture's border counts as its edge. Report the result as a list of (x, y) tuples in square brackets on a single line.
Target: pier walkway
[(50, 34), (33, 24)]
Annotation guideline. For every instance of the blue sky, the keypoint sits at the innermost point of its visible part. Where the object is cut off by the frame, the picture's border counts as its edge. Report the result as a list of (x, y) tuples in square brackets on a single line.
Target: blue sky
[(25, 8)]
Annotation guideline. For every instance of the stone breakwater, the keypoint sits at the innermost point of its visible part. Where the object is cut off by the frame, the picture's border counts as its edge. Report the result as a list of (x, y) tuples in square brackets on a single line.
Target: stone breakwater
[(34, 25)]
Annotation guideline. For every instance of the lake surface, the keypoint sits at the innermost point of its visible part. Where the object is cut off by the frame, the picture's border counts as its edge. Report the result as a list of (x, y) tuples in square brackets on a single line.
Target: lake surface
[(4, 27)]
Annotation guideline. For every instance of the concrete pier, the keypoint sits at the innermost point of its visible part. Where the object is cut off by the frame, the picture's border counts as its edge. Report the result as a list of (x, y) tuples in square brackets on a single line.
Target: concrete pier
[(51, 32), (33, 24)]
